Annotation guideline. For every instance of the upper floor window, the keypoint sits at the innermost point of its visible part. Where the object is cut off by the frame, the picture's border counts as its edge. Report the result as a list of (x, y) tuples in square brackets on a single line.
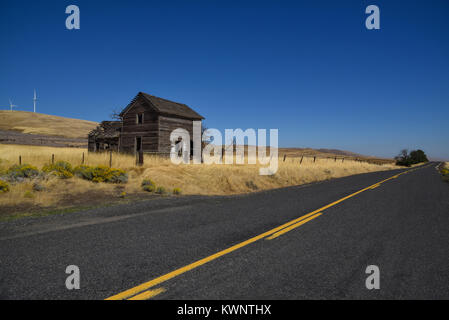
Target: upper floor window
[(139, 118)]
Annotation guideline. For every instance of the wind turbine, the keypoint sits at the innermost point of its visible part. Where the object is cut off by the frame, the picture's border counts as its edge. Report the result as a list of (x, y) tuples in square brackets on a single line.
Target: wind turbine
[(34, 100), (11, 105)]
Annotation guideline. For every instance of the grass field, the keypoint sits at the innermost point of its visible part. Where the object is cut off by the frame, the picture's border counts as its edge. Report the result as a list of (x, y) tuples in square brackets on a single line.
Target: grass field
[(38, 123), (191, 179)]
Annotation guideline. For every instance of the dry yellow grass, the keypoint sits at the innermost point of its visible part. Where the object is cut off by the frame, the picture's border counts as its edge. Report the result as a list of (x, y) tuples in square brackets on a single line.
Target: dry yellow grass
[(38, 123), (191, 179)]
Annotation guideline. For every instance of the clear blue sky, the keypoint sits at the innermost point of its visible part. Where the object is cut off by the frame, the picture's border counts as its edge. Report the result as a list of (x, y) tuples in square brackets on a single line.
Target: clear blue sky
[(309, 68)]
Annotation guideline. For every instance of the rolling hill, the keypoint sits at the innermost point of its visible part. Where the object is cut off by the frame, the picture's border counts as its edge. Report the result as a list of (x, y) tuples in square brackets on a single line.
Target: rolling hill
[(45, 125)]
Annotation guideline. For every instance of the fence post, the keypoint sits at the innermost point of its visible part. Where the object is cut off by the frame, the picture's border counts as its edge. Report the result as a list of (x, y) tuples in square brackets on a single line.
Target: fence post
[(82, 161), (20, 160), (300, 162), (314, 159), (335, 159), (342, 160), (285, 156), (52, 159), (110, 159), (140, 158)]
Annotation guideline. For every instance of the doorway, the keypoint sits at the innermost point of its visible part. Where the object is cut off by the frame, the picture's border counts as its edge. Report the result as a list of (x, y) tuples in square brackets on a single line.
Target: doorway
[(138, 144)]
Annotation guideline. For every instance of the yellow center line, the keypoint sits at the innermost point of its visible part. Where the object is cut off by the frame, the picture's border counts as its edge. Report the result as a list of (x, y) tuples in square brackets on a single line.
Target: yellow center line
[(145, 286), (296, 225), (148, 294)]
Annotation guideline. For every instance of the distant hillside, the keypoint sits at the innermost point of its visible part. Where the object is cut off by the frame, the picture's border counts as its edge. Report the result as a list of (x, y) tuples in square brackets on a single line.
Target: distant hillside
[(319, 152), (329, 153), (342, 152), (46, 125)]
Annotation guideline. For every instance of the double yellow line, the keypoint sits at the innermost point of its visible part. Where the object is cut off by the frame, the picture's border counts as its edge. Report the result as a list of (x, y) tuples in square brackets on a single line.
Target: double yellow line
[(142, 291)]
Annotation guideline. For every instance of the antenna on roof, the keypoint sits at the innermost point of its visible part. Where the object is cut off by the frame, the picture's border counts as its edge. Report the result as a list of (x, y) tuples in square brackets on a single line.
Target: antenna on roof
[(34, 100)]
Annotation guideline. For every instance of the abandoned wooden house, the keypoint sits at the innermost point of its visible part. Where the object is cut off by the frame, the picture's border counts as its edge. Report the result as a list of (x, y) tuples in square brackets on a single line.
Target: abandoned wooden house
[(145, 126)]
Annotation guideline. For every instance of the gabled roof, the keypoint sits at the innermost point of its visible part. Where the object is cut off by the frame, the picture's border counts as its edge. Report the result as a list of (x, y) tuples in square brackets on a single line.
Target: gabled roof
[(111, 124), (166, 107), (107, 129)]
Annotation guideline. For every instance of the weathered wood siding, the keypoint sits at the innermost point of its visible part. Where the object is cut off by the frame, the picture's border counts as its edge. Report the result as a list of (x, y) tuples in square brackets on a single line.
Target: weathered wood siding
[(148, 130), (166, 126), (103, 144)]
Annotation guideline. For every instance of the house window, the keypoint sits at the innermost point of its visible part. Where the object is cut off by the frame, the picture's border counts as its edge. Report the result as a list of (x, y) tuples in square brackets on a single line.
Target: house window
[(139, 118)]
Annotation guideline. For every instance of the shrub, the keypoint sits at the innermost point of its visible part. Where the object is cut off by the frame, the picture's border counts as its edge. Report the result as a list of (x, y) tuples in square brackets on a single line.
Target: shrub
[(123, 194), (176, 191), (146, 182), (161, 190), (444, 171), (84, 172), (4, 186), (116, 176), (61, 169), (18, 173), (148, 185), (149, 188), (101, 174)]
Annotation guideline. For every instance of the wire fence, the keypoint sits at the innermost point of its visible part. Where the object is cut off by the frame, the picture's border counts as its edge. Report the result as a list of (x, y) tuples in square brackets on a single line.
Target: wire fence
[(109, 158)]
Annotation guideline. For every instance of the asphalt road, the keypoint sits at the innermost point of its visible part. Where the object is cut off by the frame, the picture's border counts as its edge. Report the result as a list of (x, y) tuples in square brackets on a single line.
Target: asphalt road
[(234, 247)]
